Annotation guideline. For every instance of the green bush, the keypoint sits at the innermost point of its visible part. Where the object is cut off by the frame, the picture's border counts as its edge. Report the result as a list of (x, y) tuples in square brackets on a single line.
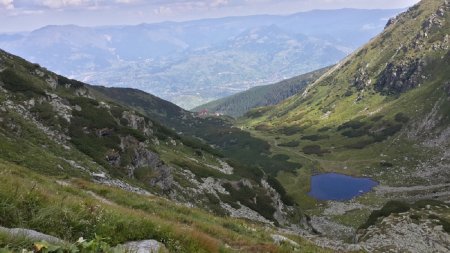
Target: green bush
[(315, 137), (247, 197), (291, 144), (281, 157), (314, 150), (18, 83), (274, 183), (354, 124), (388, 130), (353, 133), (290, 130), (401, 118), (199, 170), (377, 118), (198, 144), (390, 207)]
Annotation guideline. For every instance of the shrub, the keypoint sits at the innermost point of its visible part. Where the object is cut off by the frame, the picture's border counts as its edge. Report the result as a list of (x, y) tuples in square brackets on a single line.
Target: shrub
[(290, 130), (132, 132), (314, 150), (386, 164), (390, 207), (198, 170), (247, 197), (281, 157), (199, 145), (291, 144), (274, 183), (353, 133), (262, 127), (354, 124), (377, 118), (401, 118), (19, 83), (388, 131), (315, 137)]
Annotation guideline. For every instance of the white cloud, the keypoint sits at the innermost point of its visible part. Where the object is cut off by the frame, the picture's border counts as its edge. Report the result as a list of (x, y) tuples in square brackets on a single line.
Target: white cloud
[(216, 3), (7, 4), (126, 1), (57, 4)]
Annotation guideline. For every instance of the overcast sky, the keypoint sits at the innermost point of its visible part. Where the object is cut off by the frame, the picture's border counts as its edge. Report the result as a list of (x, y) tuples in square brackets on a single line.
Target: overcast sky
[(23, 15)]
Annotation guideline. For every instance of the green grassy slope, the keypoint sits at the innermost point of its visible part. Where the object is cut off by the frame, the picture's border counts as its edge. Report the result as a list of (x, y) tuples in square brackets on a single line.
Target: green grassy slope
[(382, 112), (62, 127), (237, 145), (70, 207), (237, 105)]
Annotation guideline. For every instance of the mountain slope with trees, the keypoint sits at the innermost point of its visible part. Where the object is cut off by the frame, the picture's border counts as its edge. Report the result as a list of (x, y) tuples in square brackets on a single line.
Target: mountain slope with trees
[(238, 104)]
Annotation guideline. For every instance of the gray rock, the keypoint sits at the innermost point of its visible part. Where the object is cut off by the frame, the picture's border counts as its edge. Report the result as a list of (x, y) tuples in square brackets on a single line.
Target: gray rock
[(400, 77), (30, 234), (279, 239), (138, 122), (147, 246), (142, 157)]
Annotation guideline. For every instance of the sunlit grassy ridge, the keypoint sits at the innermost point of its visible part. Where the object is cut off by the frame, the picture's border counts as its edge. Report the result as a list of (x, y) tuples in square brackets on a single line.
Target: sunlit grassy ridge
[(356, 120)]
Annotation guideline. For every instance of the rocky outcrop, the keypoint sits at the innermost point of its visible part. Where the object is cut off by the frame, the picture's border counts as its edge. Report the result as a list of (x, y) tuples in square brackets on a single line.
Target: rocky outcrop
[(137, 122), (339, 208), (51, 81), (282, 211), (331, 229), (400, 77), (113, 158), (362, 79), (279, 239), (60, 106), (24, 111), (224, 167), (141, 157), (245, 212), (103, 178), (412, 231), (391, 21), (82, 92), (447, 88)]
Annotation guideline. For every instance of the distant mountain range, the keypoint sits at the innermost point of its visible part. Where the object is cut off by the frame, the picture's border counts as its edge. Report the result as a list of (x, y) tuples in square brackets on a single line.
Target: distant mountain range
[(190, 63)]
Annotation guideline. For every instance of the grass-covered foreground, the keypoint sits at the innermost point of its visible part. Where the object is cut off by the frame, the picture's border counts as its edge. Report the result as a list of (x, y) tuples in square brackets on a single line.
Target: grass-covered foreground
[(70, 208)]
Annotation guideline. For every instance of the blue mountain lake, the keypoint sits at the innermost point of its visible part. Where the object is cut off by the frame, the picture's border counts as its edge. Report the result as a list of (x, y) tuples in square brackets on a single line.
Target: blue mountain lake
[(333, 186)]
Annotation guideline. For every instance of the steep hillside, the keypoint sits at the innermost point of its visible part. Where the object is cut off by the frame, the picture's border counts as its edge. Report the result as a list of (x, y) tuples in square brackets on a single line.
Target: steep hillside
[(194, 62), (382, 113), (237, 105), (61, 127), (219, 132)]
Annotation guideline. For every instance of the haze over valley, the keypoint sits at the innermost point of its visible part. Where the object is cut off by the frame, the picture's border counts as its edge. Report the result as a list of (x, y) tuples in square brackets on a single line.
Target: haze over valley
[(194, 62)]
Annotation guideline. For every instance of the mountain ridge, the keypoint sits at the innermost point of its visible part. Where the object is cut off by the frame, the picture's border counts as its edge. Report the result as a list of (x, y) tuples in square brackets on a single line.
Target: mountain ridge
[(182, 66), (381, 113)]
